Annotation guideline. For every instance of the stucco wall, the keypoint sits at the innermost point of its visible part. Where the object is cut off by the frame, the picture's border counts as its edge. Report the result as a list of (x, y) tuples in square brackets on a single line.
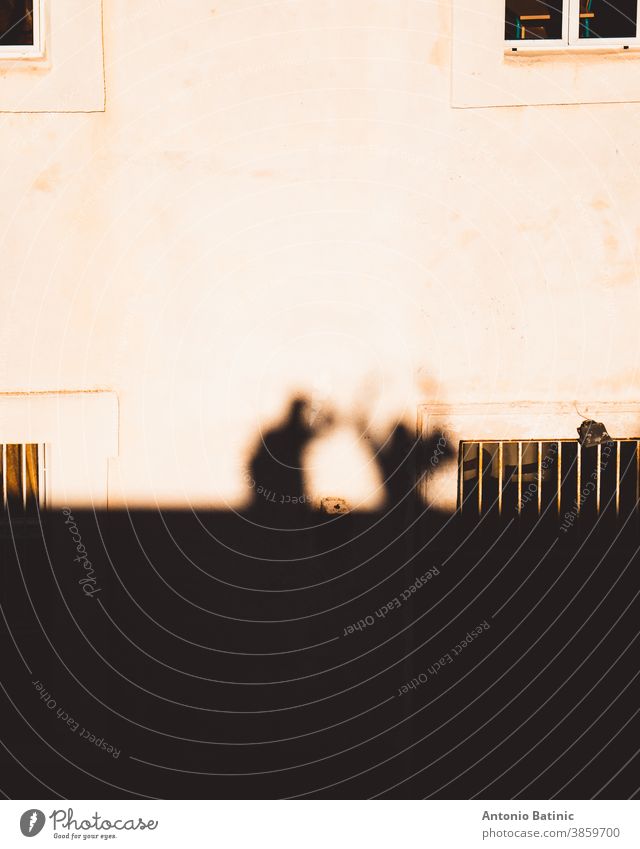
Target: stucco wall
[(279, 197)]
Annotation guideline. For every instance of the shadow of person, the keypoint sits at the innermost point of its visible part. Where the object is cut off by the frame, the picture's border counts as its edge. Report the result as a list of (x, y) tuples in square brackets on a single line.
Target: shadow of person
[(397, 459), (276, 475), (403, 458)]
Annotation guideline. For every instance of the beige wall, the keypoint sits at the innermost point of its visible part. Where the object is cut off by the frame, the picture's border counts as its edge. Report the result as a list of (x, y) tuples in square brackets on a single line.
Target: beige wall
[(279, 197)]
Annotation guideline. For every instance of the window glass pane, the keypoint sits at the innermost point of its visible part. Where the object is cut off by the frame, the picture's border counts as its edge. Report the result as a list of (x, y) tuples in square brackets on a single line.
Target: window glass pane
[(608, 18), (16, 22), (533, 19)]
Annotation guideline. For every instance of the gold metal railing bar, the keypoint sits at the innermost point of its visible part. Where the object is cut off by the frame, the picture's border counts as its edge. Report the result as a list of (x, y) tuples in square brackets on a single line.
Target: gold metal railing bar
[(559, 478), (480, 459), (5, 493), (539, 478), (23, 464), (598, 476), (500, 474), (42, 476), (618, 477), (578, 478), (519, 477), (637, 474)]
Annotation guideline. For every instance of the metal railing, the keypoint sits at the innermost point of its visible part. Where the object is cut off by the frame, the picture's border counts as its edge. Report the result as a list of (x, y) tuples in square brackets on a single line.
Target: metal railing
[(548, 476), (23, 479)]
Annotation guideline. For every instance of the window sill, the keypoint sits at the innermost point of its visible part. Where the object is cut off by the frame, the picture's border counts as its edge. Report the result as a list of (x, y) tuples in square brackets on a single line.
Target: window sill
[(568, 49), (21, 54)]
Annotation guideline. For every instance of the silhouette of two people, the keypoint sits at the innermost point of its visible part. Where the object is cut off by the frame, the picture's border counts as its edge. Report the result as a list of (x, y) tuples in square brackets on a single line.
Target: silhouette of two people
[(276, 474)]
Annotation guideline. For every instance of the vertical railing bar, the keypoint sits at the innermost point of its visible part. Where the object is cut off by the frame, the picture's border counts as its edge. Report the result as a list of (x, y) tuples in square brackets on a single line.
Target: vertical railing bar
[(5, 491), (637, 475), (23, 463), (559, 477), (41, 477), (519, 477), (461, 475), (38, 474), (539, 478), (578, 478), (500, 473), (599, 464), (618, 449), (480, 444)]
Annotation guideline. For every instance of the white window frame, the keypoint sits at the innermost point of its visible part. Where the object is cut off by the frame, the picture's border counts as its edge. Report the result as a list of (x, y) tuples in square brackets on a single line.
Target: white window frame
[(29, 51), (571, 37)]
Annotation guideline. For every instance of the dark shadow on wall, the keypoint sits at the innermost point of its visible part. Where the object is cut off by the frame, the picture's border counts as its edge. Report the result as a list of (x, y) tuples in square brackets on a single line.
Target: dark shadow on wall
[(399, 653), (403, 458), (276, 476)]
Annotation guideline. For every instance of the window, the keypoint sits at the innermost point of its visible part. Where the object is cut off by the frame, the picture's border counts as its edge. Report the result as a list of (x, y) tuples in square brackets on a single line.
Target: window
[(22, 476), (20, 28), (55, 449), (545, 24)]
